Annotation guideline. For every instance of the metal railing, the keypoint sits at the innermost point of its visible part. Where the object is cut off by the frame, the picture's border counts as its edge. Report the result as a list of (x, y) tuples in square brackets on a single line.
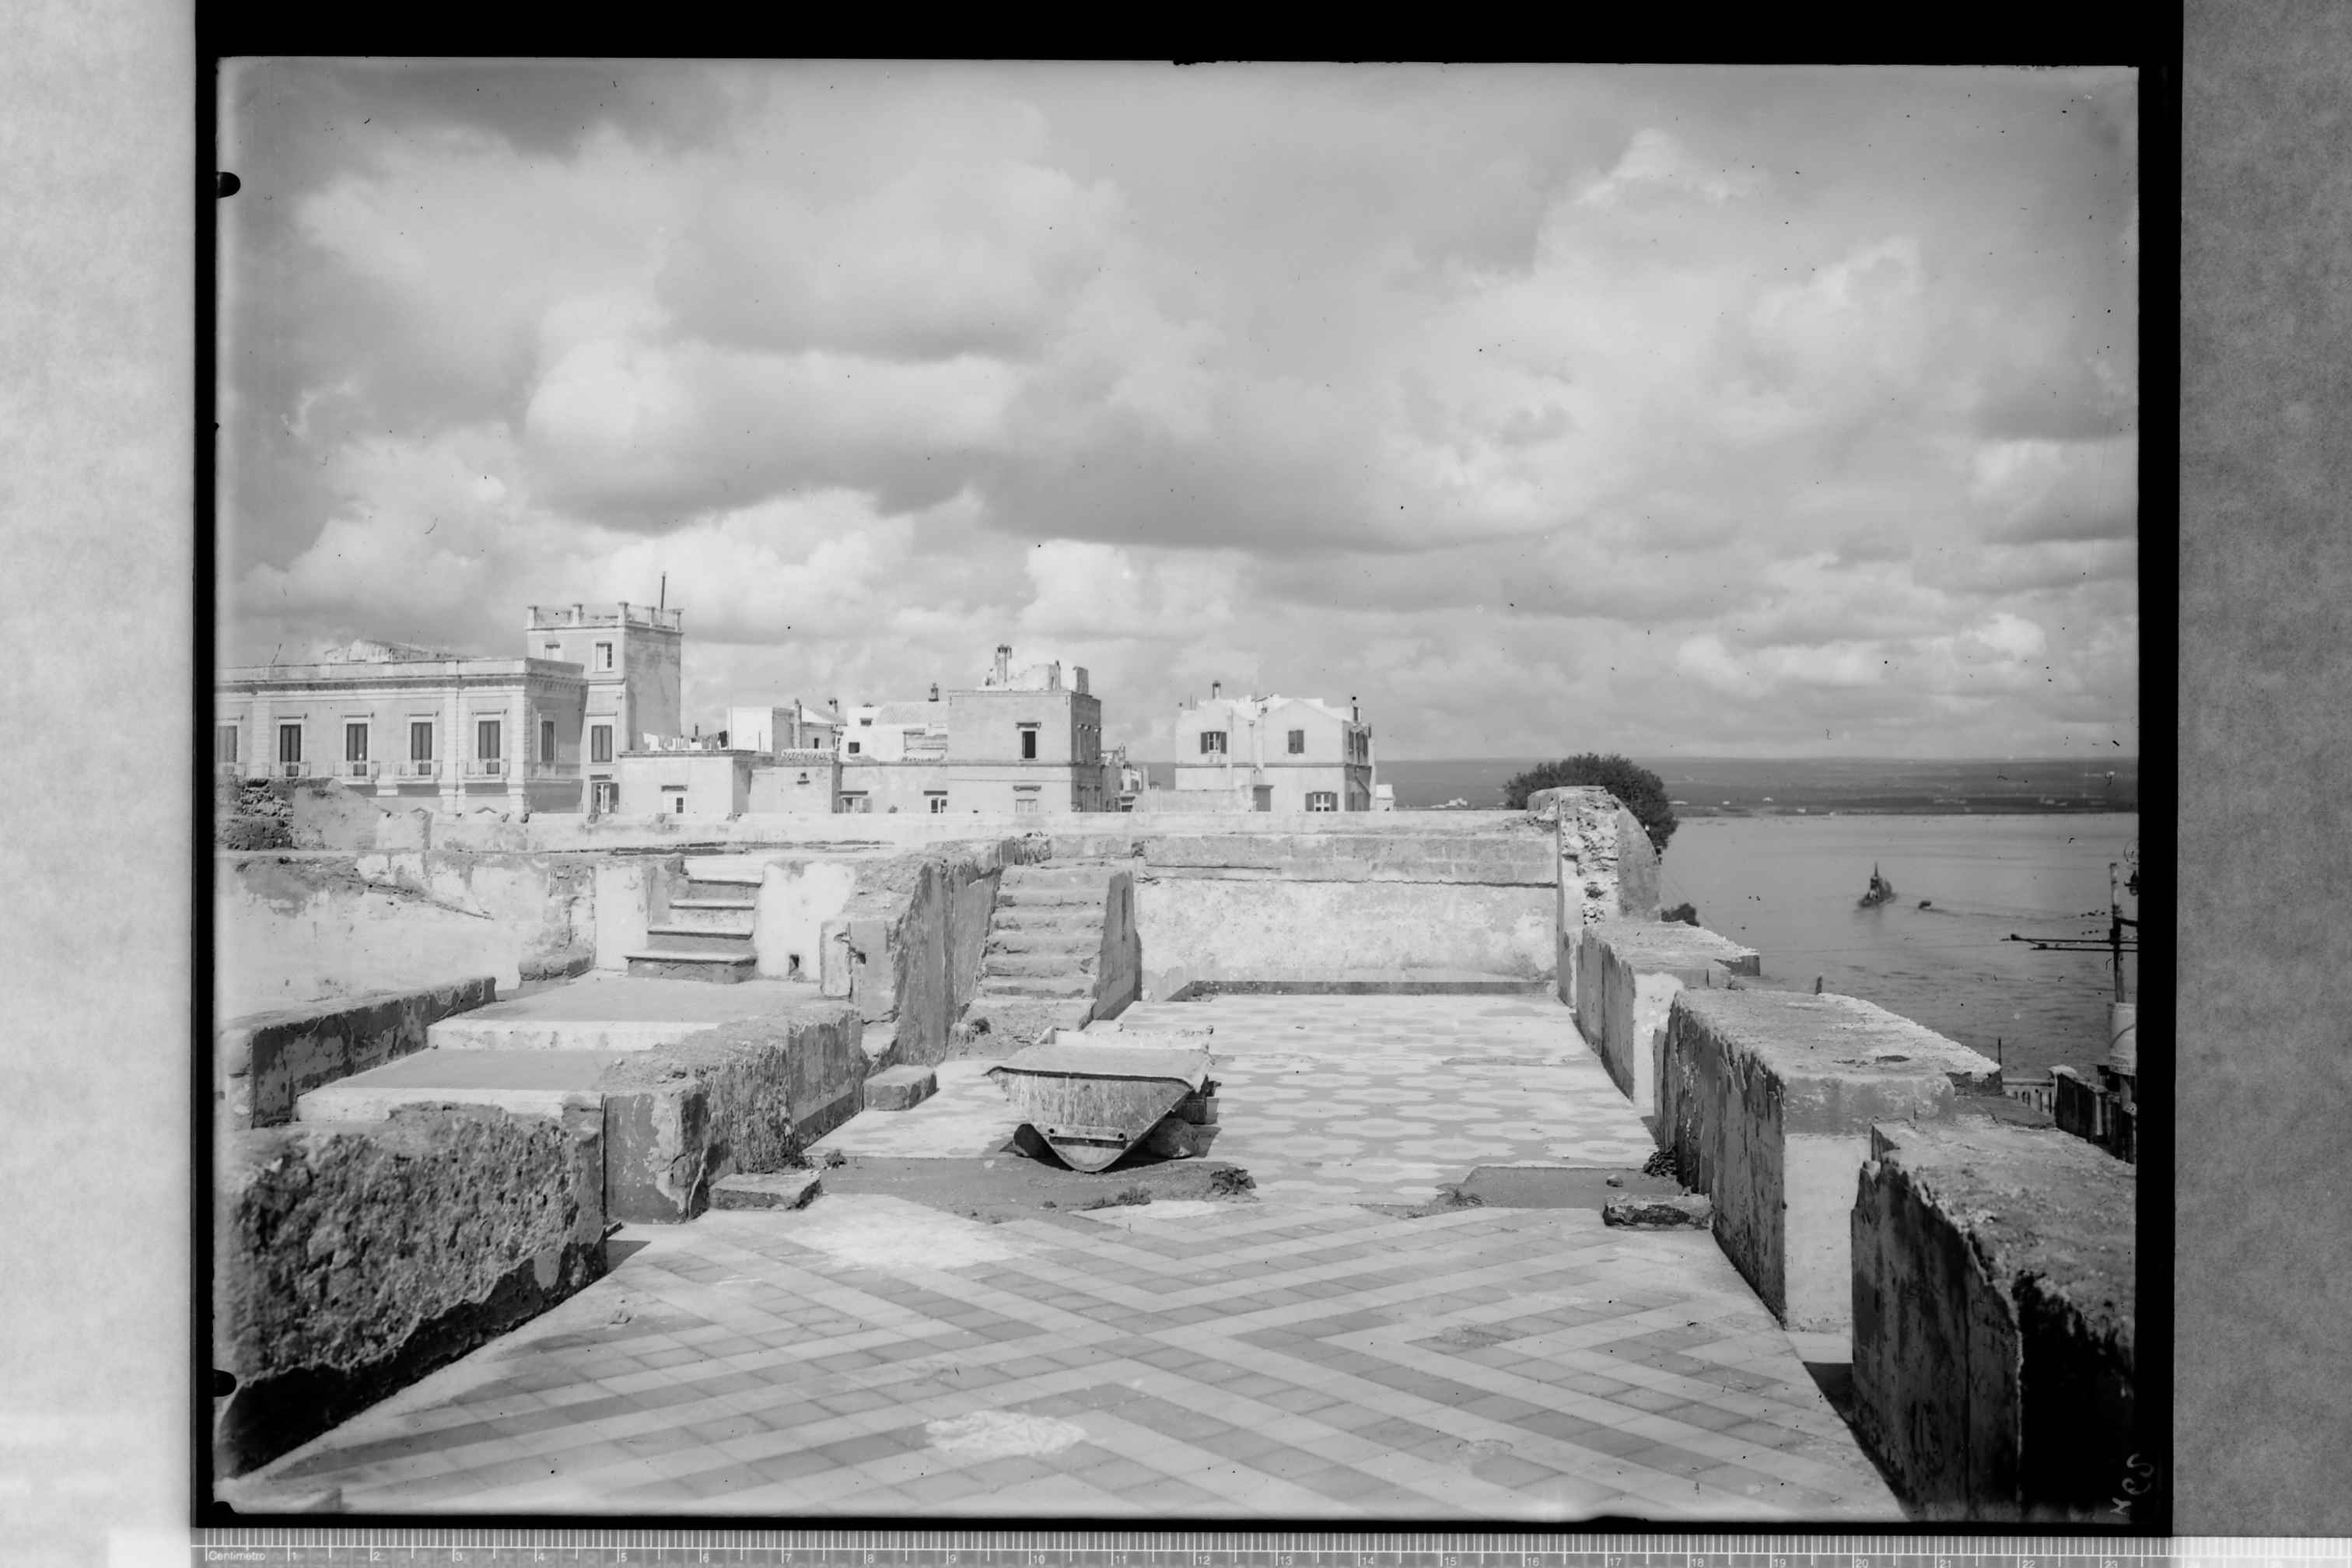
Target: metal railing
[(487, 768), (362, 768), (290, 769), (420, 768)]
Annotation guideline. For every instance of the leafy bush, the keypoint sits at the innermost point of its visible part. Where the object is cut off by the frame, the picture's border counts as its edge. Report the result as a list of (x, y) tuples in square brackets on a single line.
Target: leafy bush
[(1641, 791)]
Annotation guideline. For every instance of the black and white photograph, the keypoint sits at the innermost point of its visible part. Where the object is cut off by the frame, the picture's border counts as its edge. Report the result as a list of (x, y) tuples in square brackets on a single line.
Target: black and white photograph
[(1148, 794)]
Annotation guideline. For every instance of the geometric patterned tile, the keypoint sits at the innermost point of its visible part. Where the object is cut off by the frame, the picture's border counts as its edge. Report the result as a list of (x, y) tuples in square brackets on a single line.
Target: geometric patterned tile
[(1301, 1356)]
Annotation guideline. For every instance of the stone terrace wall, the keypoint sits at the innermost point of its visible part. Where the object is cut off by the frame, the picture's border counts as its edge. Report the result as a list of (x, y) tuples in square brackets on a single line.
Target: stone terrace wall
[(264, 1062), (292, 926), (1269, 903), (350, 1260), (1993, 1316), (1621, 977), (1607, 869), (1766, 1099)]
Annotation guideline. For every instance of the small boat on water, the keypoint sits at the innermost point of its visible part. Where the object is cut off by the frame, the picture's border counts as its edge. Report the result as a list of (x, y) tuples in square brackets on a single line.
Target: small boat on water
[(1881, 890)]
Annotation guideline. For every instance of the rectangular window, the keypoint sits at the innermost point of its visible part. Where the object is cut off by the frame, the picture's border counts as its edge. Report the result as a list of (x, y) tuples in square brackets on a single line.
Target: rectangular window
[(938, 800), (1298, 741), (600, 743), (555, 650), (289, 743), (678, 806), (853, 748), (547, 740), (1025, 806), (605, 795), (356, 741), (1213, 742), (1322, 800), (420, 740), (855, 804), (486, 740), (224, 743), (604, 655), (1028, 743)]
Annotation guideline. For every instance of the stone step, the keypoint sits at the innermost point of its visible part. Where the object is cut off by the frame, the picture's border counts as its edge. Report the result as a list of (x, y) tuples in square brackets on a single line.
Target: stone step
[(719, 968), (1034, 985), (1049, 898), (1086, 873), (1046, 917), (901, 1087), (541, 1083), (1070, 939), (724, 914), (699, 939), (726, 885), (1074, 964)]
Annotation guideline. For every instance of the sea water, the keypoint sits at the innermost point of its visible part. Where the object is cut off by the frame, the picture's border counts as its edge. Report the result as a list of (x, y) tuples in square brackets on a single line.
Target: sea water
[(1788, 886)]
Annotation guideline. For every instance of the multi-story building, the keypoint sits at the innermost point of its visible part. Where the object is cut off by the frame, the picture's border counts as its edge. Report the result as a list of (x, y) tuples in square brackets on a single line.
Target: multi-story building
[(542, 732), (1022, 741), (1273, 753), (631, 656), (416, 725)]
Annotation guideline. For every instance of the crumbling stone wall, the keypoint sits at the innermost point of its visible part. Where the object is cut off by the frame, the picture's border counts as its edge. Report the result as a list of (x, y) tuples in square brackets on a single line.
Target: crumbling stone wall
[(302, 926), (906, 952), (352, 1259), (1608, 868), (265, 1062), (1993, 1320), (747, 1097)]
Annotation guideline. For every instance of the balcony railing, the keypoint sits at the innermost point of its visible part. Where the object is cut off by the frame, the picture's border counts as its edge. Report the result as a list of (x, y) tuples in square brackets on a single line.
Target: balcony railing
[(420, 768), (362, 768), (229, 770), (487, 768), (291, 770)]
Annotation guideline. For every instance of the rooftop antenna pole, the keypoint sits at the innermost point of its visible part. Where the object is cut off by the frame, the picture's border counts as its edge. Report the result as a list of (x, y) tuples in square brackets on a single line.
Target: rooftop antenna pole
[(664, 603)]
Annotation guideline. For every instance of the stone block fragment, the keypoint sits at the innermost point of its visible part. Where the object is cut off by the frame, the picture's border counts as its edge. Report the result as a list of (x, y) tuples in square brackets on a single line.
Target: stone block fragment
[(901, 1089), (1993, 1315), (1766, 1099), (768, 1190)]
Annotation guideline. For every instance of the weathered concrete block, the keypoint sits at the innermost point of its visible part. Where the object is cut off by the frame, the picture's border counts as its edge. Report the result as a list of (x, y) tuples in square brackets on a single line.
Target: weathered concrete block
[(1634, 1213), (1768, 1099), (901, 1089), (748, 1096), (1993, 1311), (1625, 977), (768, 1190), (1118, 963), (349, 1261), (266, 1061)]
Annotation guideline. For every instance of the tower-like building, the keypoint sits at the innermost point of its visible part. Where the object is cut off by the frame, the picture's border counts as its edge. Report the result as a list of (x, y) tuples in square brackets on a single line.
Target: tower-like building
[(630, 654)]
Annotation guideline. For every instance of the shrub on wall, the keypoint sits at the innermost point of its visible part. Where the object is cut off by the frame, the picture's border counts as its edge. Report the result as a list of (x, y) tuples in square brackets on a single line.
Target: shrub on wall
[(1638, 789)]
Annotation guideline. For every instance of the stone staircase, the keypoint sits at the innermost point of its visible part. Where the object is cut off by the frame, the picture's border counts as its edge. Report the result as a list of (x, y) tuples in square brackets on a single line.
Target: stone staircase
[(706, 934), (1037, 970)]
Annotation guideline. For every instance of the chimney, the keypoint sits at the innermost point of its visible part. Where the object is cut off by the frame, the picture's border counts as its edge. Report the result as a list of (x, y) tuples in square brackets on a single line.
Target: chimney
[(1004, 663), (935, 691), (1354, 711), (1215, 689)]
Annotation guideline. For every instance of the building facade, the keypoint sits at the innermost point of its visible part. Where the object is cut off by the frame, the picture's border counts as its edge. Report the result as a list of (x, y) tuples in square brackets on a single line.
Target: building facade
[(630, 655), (1273, 753), (409, 724), (542, 732), (1022, 742)]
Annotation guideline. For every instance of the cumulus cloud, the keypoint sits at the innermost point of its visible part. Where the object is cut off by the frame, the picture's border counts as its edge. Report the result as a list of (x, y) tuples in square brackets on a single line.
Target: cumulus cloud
[(1537, 408)]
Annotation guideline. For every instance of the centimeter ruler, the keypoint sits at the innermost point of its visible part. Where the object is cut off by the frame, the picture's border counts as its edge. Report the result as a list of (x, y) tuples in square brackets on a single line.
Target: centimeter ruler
[(1169, 1548)]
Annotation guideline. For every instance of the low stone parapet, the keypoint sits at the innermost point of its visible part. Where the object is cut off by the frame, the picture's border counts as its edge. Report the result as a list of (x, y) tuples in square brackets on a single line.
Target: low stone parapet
[(1622, 976), (1993, 1309), (265, 1062), (1768, 1098), (350, 1260)]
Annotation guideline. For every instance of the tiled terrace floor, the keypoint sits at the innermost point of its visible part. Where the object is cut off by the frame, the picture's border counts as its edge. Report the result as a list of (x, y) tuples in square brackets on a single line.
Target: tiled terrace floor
[(1301, 1356)]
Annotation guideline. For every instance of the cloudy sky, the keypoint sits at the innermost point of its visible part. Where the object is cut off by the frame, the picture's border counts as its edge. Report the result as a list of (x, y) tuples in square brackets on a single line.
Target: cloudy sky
[(1710, 412)]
